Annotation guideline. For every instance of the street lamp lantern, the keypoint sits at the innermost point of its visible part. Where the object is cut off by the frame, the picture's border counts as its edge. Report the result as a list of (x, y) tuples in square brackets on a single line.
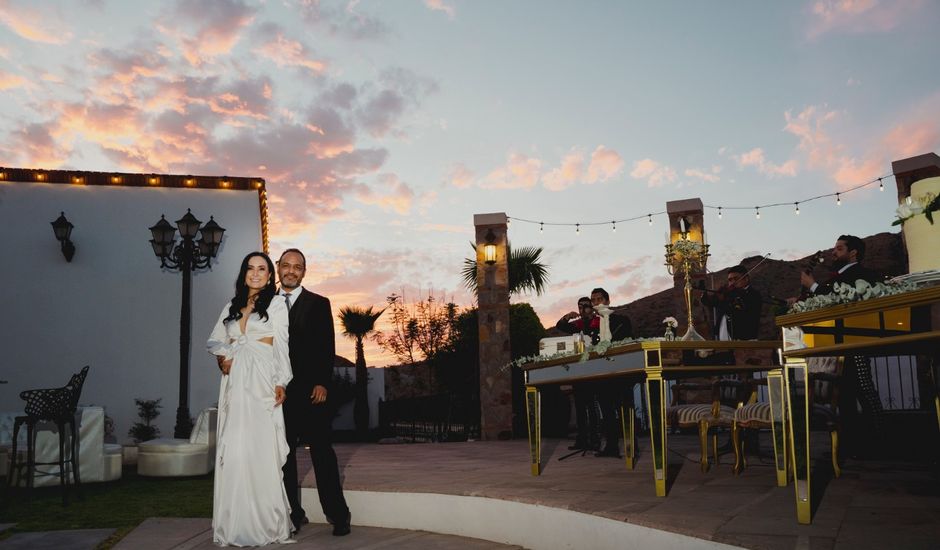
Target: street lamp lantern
[(163, 237), (212, 235), (186, 256), (188, 225)]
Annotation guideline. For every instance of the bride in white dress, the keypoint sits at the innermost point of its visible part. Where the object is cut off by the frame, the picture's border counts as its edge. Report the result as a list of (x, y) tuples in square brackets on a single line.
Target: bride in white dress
[(250, 340)]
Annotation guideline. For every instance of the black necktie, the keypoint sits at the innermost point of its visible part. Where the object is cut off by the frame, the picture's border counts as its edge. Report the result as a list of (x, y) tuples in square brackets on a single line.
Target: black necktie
[(287, 299)]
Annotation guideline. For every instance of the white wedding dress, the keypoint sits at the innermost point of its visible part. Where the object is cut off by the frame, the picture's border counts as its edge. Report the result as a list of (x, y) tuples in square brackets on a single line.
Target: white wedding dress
[(250, 506)]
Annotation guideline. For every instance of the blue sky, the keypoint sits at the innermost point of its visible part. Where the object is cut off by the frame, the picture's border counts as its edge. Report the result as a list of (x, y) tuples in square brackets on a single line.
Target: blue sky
[(382, 127)]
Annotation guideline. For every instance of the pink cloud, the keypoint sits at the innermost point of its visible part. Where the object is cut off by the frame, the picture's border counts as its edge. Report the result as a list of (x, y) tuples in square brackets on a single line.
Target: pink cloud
[(655, 173), (710, 176), (394, 195), (519, 172), (34, 145), (440, 5), (399, 90), (8, 81), (605, 164), (285, 52), (45, 26), (206, 30), (569, 173), (859, 16), (460, 176), (755, 158)]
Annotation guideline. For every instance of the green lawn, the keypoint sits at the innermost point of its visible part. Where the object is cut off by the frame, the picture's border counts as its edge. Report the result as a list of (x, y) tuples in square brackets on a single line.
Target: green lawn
[(120, 504)]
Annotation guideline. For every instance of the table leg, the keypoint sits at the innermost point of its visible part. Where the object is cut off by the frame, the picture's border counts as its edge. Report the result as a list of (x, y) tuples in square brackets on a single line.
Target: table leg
[(627, 419), (778, 423), (534, 414), (656, 405), (797, 384)]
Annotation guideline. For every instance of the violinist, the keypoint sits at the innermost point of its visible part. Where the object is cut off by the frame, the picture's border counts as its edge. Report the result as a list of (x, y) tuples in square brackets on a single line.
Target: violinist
[(737, 306)]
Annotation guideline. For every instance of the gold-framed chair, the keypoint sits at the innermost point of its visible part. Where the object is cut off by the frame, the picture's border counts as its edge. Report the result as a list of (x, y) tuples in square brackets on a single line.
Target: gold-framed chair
[(824, 376), (706, 405)]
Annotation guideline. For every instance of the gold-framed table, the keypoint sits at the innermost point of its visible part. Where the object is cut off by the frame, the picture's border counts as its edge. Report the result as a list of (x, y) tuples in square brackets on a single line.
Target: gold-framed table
[(653, 362), (902, 324)]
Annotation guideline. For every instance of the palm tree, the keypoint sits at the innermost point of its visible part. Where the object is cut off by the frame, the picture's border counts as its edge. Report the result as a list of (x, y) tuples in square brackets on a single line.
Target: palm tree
[(526, 271), (357, 323)]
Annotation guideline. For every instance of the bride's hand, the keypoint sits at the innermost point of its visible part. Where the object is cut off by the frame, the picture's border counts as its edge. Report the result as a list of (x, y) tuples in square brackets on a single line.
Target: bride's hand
[(225, 365), (279, 395)]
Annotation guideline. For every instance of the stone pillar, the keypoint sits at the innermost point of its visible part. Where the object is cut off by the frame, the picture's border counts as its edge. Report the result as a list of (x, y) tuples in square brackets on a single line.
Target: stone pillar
[(493, 315), (692, 211)]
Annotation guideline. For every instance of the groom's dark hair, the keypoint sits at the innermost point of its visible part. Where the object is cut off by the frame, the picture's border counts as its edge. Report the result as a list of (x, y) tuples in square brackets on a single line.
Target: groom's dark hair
[(295, 251)]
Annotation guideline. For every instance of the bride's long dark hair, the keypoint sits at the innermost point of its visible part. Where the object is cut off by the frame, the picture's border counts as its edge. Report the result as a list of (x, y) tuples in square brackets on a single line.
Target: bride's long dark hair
[(241, 291)]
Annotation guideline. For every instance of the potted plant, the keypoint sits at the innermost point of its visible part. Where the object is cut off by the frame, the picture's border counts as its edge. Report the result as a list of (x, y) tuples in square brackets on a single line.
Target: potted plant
[(144, 430)]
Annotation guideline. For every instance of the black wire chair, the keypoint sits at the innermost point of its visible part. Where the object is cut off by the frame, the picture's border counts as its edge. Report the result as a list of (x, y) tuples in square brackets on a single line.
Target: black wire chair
[(58, 405)]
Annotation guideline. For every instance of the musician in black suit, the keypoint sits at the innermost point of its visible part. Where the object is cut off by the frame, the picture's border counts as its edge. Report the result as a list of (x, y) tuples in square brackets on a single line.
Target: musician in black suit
[(611, 394), (307, 415), (856, 386), (848, 254), (737, 307)]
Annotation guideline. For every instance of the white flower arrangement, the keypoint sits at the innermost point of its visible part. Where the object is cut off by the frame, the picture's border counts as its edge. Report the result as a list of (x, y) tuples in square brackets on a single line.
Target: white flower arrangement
[(600, 349), (670, 322), (686, 247), (843, 293), (926, 205)]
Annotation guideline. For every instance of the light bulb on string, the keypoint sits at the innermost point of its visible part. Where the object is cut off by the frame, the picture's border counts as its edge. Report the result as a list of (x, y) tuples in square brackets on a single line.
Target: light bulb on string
[(719, 212), (541, 227), (613, 226), (651, 219), (757, 210), (577, 228), (881, 185), (508, 221), (797, 205), (838, 199)]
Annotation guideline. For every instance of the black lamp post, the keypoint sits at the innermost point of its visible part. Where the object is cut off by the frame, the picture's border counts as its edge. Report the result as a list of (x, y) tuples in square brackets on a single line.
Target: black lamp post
[(187, 256), (63, 230)]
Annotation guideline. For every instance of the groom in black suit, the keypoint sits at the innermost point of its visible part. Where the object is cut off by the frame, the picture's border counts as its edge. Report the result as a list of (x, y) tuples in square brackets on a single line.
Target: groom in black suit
[(307, 416)]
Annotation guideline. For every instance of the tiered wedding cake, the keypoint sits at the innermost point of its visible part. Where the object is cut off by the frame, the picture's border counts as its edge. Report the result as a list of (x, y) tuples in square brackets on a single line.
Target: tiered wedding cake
[(921, 237)]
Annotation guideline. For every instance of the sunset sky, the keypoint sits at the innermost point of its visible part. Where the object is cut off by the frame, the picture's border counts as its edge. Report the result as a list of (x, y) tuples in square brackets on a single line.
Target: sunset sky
[(382, 127)]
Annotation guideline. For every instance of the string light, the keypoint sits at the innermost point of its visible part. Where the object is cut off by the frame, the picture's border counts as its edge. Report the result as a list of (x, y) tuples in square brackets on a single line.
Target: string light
[(721, 209), (881, 185)]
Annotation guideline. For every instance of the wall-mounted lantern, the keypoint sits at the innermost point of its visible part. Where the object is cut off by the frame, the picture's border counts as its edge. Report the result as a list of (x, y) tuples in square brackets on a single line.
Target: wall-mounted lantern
[(489, 249), (63, 230)]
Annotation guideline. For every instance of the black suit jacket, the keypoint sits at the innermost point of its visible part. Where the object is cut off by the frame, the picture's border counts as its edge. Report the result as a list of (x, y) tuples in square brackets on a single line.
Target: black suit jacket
[(743, 308), (312, 346), (849, 276)]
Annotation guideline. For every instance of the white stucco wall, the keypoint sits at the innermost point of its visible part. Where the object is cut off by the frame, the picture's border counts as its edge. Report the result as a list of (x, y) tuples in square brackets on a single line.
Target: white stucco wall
[(112, 307), (344, 418)]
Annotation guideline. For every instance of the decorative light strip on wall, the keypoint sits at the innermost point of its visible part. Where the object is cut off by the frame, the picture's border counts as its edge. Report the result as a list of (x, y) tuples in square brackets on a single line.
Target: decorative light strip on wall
[(77, 177)]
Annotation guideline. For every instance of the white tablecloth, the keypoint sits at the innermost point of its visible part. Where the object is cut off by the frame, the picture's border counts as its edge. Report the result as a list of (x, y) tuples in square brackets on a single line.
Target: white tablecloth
[(90, 451)]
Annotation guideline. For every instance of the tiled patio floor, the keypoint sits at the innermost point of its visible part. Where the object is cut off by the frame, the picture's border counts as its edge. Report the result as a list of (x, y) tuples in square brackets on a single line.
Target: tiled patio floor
[(873, 505)]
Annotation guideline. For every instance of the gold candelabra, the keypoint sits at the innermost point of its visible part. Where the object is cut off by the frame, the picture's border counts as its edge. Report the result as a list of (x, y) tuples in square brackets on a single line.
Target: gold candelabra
[(683, 256)]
